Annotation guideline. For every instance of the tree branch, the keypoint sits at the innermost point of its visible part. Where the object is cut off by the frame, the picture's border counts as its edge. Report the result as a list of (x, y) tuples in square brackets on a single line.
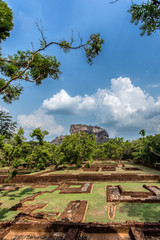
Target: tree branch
[(28, 63)]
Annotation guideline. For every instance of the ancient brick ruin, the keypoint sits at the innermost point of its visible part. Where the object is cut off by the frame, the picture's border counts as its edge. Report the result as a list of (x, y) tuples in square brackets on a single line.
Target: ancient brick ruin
[(117, 194)]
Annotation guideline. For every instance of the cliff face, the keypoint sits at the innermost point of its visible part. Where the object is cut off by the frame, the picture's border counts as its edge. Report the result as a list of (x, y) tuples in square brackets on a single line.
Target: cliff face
[(100, 133), (58, 140)]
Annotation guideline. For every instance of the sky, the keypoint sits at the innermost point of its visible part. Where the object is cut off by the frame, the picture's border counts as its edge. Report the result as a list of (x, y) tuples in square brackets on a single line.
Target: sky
[(119, 92)]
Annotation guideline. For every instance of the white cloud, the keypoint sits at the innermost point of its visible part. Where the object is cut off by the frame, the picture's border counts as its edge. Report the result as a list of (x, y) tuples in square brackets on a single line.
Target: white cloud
[(153, 85), (40, 119), (122, 106), (123, 109), (63, 103)]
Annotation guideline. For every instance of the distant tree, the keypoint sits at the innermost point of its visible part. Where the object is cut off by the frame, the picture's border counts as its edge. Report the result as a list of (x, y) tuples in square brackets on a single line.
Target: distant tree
[(148, 14), (39, 135), (146, 149), (78, 148), (127, 149), (99, 152), (7, 126), (114, 148), (142, 133), (12, 150), (138, 150), (33, 66), (40, 157)]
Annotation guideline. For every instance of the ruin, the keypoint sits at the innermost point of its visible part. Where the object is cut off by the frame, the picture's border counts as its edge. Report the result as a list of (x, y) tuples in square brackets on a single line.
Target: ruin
[(61, 230), (130, 169), (75, 211), (34, 222), (117, 194), (83, 188)]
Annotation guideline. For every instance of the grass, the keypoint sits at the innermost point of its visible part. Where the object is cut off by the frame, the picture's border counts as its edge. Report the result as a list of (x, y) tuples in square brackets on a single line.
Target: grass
[(98, 207), (143, 212), (70, 170), (144, 170), (10, 198)]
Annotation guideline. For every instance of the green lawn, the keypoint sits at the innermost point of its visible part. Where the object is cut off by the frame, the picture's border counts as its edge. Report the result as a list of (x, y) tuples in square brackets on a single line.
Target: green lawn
[(10, 198), (143, 170), (97, 206)]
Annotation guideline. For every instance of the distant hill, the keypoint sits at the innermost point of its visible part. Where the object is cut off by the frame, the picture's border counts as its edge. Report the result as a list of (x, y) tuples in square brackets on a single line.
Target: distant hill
[(100, 133), (58, 140)]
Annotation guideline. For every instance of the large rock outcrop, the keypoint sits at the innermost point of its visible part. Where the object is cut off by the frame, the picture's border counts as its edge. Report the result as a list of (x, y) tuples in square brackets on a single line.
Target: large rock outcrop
[(100, 133), (58, 140)]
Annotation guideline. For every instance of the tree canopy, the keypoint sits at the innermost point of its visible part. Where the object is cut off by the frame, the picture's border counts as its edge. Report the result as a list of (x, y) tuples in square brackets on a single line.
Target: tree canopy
[(6, 21), (33, 66), (148, 14), (7, 125)]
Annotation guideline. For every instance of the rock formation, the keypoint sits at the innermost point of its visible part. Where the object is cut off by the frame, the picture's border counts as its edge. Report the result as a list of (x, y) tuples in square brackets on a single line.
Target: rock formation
[(58, 140), (100, 133)]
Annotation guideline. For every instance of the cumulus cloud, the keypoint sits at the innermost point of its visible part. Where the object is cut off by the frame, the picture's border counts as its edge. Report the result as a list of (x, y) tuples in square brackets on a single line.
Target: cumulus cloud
[(123, 106), (63, 103), (40, 119)]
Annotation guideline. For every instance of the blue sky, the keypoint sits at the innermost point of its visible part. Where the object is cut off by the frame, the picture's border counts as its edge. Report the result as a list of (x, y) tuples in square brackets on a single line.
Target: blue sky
[(120, 91)]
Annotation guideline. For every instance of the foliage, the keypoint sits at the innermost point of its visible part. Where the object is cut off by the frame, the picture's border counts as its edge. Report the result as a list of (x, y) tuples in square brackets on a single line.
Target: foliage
[(147, 149), (23, 66), (75, 149), (114, 148), (148, 14), (39, 135), (33, 66), (58, 157), (100, 152), (78, 148), (142, 132), (41, 157), (93, 47), (6, 21), (7, 126)]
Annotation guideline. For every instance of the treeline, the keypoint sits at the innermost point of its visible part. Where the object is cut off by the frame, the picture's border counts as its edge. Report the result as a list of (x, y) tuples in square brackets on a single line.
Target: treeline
[(37, 154)]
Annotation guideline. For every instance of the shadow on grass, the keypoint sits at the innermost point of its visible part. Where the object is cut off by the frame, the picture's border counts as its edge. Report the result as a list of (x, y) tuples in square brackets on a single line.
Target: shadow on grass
[(141, 211), (4, 212), (21, 194), (13, 196)]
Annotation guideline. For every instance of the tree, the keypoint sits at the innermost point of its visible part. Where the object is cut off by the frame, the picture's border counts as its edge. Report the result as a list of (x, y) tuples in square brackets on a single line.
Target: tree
[(6, 21), (78, 148), (148, 14), (142, 133), (33, 66), (7, 126), (99, 152), (39, 135), (114, 148), (13, 149)]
